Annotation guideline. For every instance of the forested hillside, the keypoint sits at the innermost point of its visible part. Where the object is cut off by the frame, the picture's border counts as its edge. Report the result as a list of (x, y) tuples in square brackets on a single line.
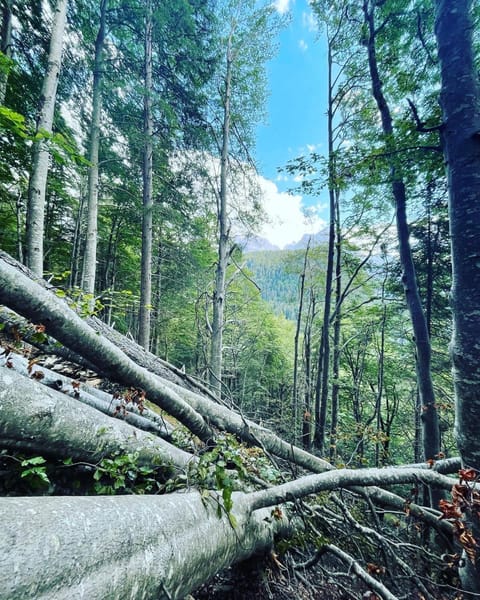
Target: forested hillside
[(277, 274), (317, 406)]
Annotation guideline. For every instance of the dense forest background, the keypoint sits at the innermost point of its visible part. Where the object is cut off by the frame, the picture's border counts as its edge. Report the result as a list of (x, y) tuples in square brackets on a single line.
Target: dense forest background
[(128, 181)]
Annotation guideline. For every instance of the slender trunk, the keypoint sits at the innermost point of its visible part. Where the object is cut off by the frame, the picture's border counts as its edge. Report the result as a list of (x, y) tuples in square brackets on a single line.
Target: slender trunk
[(297, 343), (307, 408), (323, 399), (460, 101), (77, 242), (380, 373), (158, 296), (40, 155), (430, 258), (90, 256), (145, 310), (336, 332), (431, 436), (6, 46), (19, 215), (216, 349)]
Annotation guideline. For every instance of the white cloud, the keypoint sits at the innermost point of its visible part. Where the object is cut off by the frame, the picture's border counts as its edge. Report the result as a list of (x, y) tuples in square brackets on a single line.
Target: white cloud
[(287, 220), (282, 6), (302, 44), (309, 21)]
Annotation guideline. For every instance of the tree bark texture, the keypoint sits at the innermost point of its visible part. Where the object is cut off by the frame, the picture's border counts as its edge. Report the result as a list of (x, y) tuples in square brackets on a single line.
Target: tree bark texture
[(216, 351), (40, 159), (146, 419), (6, 44), (90, 254), (36, 418), (460, 101), (124, 547)]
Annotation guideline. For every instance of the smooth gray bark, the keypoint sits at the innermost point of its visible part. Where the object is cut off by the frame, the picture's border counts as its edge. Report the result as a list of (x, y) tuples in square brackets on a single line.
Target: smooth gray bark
[(38, 177), (216, 350), (124, 547), (90, 254), (36, 418), (146, 420), (346, 478)]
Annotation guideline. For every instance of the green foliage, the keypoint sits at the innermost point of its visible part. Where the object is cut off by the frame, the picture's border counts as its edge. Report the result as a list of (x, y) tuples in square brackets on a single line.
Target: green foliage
[(123, 474), (34, 470), (12, 123)]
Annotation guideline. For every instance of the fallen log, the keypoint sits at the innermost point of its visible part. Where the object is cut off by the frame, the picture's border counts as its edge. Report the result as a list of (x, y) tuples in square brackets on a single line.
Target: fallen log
[(124, 547), (106, 403), (36, 418)]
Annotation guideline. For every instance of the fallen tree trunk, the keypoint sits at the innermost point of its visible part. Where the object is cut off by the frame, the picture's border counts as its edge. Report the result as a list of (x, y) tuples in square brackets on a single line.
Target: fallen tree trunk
[(20, 293), (123, 547), (36, 418), (149, 546), (106, 403)]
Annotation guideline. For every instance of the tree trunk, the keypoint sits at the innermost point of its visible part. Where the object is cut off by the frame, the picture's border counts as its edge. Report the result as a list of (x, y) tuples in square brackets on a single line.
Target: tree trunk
[(40, 157), (123, 547), (431, 433), (216, 350), (460, 101), (296, 344), (6, 45), (90, 255), (336, 332), (35, 418), (322, 395), (147, 222)]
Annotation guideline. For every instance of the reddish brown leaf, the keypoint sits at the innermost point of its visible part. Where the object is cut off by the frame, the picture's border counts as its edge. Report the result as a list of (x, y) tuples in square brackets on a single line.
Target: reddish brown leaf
[(31, 363), (468, 475)]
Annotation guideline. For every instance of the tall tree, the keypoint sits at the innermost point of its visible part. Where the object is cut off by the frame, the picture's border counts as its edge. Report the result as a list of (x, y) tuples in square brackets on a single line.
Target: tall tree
[(245, 44), (460, 100), (147, 176), (90, 253), (431, 439), (40, 154)]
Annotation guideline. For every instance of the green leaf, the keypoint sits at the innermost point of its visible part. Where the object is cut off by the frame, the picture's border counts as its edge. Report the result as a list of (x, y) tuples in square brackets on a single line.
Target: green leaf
[(233, 520), (36, 460)]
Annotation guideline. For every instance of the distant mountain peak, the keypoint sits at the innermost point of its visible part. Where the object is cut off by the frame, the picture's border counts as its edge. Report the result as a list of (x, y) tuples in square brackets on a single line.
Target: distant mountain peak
[(321, 237), (256, 244)]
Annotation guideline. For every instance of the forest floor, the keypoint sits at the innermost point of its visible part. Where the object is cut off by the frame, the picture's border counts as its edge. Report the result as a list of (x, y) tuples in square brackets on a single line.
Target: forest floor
[(260, 579)]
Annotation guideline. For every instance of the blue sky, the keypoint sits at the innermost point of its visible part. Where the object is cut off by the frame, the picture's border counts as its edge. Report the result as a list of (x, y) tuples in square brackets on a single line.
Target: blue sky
[(296, 121)]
